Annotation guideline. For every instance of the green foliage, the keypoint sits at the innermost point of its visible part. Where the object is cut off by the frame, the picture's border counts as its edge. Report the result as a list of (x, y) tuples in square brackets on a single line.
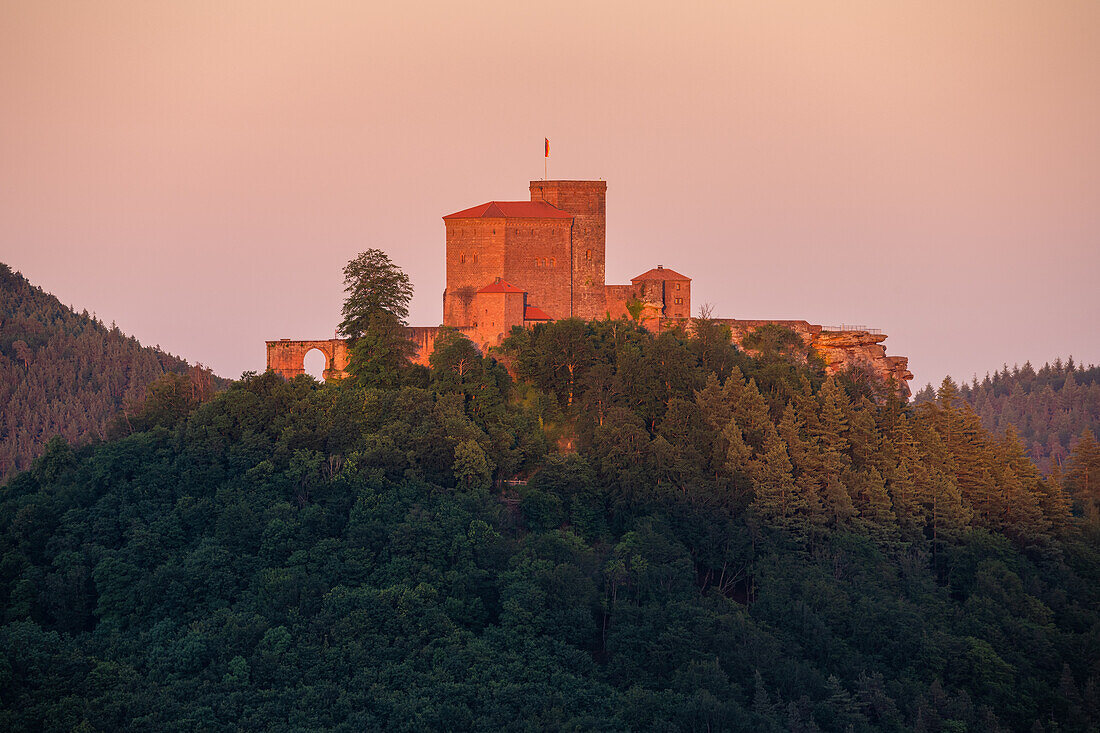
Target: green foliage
[(1050, 408), (374, 314), (700, 552), (374, 285), (70, 375)]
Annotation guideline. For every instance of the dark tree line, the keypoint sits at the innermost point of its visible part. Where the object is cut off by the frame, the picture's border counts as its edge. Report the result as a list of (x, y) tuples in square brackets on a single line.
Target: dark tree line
[(67, 374), (1050, 408)]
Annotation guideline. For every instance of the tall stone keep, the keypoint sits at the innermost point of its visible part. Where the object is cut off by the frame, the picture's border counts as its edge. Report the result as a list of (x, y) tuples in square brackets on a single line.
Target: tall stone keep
[(587, 202)]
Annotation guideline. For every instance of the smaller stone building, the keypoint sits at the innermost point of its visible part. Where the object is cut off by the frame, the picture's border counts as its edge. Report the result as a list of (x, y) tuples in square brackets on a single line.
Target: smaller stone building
[(660, 293)]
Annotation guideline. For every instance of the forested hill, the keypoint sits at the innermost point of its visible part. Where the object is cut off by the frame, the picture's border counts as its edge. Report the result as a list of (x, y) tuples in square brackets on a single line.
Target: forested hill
[(1050, 408), (64, 373), (733, 544)]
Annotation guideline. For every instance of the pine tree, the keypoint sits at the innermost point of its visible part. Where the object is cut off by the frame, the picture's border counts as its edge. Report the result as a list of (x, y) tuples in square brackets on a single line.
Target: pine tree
[(776, 499)]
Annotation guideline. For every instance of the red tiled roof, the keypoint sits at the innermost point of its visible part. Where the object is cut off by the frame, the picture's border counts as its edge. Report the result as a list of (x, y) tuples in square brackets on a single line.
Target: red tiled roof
[(532, 313), (501, 286), (512, 210), (660, 273)]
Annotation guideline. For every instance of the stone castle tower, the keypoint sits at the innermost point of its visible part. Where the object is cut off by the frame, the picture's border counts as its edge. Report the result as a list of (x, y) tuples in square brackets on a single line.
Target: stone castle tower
[(550, 248), (514, 263), (587, 202)]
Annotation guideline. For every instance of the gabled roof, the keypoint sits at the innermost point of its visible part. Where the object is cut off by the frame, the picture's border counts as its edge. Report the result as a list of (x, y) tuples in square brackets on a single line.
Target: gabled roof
[(659, 273), (511, 210), (501, 286), (532, 313)]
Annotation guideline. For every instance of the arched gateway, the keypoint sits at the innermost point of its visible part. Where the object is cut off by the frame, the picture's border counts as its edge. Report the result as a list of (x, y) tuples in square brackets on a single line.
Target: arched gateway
[(287, 357)]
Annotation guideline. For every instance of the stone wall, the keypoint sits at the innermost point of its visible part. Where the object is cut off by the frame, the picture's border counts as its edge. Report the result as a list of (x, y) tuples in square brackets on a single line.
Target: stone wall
[(587, 202), (617, 296), (287, 357), (839, 350), (537, 260), (475, 257)]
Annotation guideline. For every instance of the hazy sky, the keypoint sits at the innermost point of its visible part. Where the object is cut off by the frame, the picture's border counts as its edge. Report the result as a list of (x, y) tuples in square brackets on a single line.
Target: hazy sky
[(199, 172)]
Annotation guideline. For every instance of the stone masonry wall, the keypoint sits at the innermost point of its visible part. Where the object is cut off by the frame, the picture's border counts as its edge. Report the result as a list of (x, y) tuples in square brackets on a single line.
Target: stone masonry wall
[(475, 258), (587, 201), (287, 357), (537, 260)]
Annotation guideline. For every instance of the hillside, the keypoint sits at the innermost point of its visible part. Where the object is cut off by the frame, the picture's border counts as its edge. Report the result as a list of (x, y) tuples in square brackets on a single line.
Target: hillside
[(64, 373), (1049, 408), (735, 544)]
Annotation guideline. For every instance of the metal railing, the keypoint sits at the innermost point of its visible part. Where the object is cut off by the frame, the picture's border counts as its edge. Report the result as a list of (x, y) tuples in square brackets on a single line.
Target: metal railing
[(850, 327)]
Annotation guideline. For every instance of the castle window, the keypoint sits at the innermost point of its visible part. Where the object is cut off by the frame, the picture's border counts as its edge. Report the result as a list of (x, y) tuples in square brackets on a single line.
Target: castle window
[(475, 262), (679, 301), (462, 258), (587, 254), (553, 262), (677, 284)]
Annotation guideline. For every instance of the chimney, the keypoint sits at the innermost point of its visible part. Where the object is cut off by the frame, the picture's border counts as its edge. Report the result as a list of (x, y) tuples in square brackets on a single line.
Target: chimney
[(660, 267)]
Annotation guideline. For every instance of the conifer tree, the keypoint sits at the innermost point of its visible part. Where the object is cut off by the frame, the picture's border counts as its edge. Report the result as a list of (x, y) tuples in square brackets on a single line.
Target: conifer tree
[(875, 509), (775, 498)]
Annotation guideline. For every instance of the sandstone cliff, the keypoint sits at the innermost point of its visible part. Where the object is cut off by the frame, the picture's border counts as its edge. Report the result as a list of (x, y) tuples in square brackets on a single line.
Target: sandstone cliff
[(841, 348)]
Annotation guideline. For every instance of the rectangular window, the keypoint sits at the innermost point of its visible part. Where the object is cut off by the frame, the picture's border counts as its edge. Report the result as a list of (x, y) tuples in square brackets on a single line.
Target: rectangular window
[(679, 301)]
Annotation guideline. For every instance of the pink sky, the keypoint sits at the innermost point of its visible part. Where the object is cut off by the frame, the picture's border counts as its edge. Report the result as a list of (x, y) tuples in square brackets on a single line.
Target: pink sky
[(199, 172)]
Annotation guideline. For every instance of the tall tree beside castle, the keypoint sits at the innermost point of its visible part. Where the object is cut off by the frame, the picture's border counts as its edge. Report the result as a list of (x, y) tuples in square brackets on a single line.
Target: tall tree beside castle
[(66, 374), (375, 314)]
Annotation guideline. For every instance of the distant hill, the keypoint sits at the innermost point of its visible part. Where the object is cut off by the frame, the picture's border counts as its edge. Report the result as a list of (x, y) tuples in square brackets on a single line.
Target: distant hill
[(65, 373), (1050, 408)]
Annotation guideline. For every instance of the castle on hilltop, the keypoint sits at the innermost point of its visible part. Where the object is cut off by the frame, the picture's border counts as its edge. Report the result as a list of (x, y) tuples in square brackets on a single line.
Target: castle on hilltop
[(515, 263), (518, 263)]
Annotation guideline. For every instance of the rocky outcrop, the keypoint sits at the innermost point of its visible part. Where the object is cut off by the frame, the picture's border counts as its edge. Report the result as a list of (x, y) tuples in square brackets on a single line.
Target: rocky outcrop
[(840, 348), (861, 349)]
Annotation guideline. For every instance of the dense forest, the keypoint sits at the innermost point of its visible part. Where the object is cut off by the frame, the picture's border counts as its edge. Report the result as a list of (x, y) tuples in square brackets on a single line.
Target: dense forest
[(68, 374), (637, 532), (1050, 408)]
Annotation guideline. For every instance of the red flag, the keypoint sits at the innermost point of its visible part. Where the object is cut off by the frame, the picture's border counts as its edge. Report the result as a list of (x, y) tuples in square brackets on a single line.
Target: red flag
[(547, 140)]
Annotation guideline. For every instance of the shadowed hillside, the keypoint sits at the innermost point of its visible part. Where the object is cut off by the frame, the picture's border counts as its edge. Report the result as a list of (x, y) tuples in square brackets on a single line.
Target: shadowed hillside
[(727, 543), (64, 373)]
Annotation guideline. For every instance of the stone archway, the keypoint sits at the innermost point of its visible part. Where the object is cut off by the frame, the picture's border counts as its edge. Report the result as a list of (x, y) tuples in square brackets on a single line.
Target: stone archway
[(315, 364), (287, 358)]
